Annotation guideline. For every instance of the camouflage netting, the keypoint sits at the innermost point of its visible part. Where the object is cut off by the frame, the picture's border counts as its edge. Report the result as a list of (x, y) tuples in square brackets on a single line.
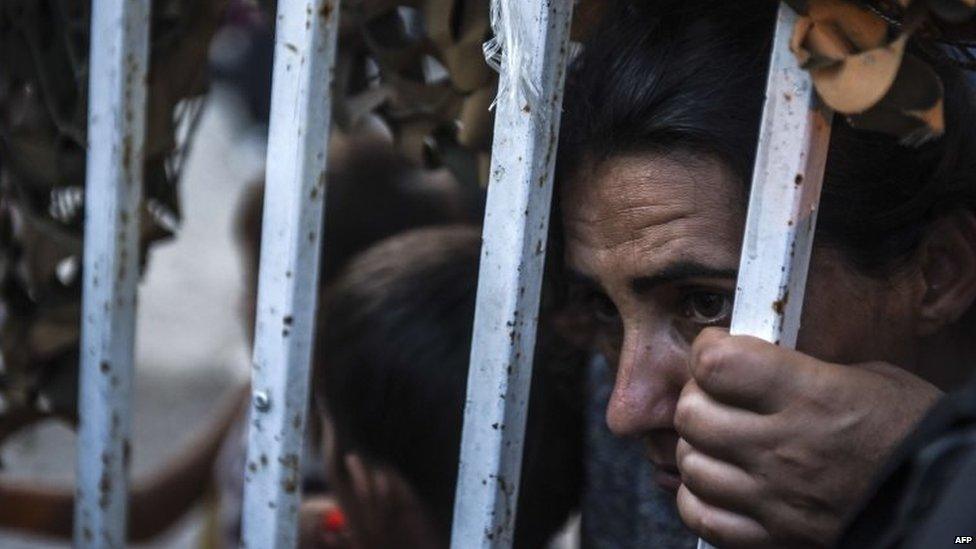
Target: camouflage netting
[(418, 65), (873, 60), (413, 67), (43, 120)]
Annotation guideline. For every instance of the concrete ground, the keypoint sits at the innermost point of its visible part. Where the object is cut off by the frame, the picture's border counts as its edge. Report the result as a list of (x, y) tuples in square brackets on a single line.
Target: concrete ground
[(190, 341)]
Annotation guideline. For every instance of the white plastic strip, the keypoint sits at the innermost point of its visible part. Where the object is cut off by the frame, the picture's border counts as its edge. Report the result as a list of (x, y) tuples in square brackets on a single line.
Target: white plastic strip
[(786, 183), (305, 48), (516, 224), (116, 128)]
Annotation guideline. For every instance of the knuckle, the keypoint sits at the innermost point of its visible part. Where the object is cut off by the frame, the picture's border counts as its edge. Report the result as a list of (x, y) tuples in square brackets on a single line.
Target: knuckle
[(684, 413), (712, 359), (701, 343)]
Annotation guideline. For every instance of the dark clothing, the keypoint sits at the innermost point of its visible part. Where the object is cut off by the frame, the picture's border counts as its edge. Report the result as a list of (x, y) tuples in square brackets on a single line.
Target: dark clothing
[(926, 496)]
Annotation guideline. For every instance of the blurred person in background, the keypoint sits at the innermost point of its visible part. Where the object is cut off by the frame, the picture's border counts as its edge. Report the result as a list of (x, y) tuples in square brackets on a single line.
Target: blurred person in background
[(391, 368), (372, 192)]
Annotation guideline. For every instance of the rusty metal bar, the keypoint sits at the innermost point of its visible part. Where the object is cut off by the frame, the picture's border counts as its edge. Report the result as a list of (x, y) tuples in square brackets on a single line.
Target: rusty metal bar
[(515, 230), (793, 141), (782, 216), (116, 128), (305, 48)]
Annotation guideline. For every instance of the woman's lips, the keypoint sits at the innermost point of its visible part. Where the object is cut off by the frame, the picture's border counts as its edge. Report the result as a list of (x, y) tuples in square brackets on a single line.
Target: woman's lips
[(667, 478)]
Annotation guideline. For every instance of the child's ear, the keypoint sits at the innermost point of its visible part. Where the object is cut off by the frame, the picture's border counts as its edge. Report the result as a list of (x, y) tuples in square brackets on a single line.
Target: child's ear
[(948, 267)]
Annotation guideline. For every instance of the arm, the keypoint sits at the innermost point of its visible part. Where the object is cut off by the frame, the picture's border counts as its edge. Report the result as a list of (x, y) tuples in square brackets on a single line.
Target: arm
[(155, 502)]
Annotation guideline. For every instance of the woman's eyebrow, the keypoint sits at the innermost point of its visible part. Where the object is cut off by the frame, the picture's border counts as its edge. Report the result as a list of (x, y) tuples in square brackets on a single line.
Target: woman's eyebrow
[(575, 277), (679, 271)]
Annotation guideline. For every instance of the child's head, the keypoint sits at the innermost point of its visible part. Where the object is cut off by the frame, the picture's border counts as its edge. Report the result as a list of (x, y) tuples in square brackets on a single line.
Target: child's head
[(372, 192), (391, 370)]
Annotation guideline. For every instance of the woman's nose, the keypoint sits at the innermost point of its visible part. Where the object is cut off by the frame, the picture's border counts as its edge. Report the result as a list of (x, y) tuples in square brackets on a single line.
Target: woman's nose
[(646, 389)]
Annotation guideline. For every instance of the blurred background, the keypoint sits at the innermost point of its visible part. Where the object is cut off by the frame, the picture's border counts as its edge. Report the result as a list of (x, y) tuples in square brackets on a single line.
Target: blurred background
[(410, 74), (192, 293)]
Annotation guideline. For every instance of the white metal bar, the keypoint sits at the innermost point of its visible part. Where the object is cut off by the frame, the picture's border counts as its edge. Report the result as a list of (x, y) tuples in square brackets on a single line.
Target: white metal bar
[(515, 230), (116, 129), (793, 141), (305, 48), (786, 184)]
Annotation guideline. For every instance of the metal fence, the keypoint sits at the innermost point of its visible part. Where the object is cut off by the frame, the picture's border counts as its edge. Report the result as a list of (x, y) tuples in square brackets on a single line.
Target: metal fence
[(116, 130), (779, 229), (786, 182)]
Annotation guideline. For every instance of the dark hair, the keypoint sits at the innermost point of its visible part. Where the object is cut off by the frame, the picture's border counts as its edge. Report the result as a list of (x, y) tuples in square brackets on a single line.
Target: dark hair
[(690, 76), (372, 192), (391, 369)]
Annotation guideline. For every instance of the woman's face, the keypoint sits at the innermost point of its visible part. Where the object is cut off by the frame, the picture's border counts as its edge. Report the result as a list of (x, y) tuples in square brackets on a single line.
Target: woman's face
[(653, 243)]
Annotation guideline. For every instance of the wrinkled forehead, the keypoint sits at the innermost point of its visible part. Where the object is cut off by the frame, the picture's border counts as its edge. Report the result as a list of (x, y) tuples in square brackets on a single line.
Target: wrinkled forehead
[(649, 207)]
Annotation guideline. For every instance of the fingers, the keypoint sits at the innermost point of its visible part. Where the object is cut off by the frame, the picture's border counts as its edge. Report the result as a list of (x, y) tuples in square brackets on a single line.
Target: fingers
[(747, 372), (381, 487), (717, 482), (383, 497), (369, 489), (720, 430), (359, 478), (717, 526), (313, 531)]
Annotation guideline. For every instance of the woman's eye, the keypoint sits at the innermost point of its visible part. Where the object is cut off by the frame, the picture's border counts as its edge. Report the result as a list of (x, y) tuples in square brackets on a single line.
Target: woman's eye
[(603, 309), (708, 307)]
